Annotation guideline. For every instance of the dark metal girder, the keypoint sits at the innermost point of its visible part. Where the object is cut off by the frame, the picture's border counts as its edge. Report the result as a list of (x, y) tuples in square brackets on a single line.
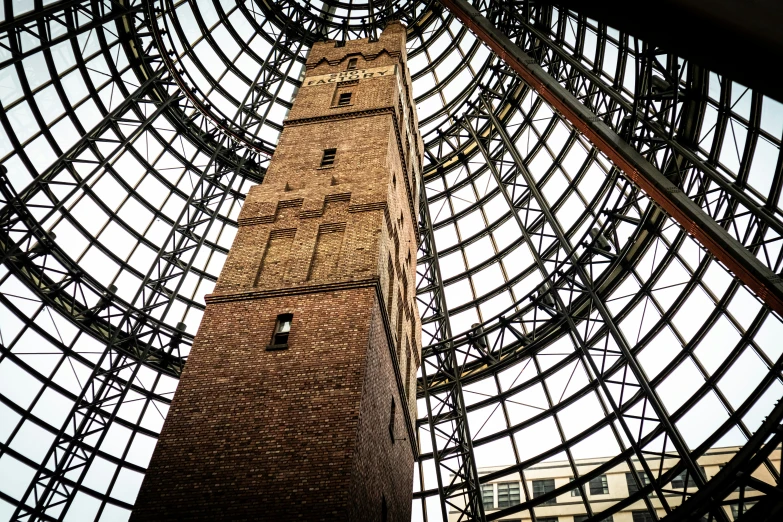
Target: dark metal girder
[(464, 483), (705, 32), (765, 283)]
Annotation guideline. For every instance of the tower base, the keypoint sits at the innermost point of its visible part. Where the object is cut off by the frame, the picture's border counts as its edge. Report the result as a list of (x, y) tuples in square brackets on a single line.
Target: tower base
[(301, 433)]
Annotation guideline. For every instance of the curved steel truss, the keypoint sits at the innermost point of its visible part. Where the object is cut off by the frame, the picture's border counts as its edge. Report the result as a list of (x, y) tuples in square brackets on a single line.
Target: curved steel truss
[(566, 315)]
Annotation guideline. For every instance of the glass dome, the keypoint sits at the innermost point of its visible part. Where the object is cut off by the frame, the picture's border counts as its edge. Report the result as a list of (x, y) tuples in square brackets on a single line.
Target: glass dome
[(565, 315)]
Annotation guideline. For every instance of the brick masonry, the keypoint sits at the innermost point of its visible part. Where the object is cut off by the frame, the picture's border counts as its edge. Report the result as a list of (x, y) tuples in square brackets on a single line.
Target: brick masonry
[(308, 432)]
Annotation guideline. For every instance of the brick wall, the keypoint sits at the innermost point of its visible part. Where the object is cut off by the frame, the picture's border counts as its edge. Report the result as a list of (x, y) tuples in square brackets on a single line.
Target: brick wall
[(303, 433), (381, 468), (296, 434)]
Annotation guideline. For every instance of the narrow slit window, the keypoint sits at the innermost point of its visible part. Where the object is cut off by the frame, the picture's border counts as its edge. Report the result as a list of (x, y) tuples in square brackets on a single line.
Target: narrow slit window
[(408, 370), (392, 414), (282, 330), (328, 158), (344, 99), (352, 62), (390, 293)]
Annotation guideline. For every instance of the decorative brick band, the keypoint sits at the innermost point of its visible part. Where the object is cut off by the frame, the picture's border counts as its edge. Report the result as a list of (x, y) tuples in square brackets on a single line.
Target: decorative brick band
[(326, 228), (343, 197), (341, 116), (367, 207), (270, 218), (289, 233), (244, 295), (306, 214), (336, 198), (290, 203), (263, 220), (369, 57)]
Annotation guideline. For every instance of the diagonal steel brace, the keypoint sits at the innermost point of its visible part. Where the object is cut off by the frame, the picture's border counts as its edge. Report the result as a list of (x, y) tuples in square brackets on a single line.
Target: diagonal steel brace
[(747, 268)]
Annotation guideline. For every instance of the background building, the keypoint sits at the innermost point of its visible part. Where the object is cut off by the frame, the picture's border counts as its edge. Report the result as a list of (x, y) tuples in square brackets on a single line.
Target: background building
[(601, 194), (604, 491)]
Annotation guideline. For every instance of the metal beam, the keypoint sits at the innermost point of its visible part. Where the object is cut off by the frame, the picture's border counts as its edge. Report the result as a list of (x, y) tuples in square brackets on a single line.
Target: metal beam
[(736, 38), (578, 339), (748, 269), (459, 486)]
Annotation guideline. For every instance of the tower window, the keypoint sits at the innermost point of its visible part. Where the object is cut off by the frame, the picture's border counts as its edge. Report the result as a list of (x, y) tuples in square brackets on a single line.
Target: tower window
[(392, 414), (282, 329), (352, 63), (328, 158), (344, 99)]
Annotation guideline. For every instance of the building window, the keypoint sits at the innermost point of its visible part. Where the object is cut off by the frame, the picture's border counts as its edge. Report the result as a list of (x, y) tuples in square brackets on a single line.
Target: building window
[(392, 415), (328, 158), (735, 509), (508, 494), (632, 483), (344, 98), (574, 492), (488, 496), (641, 516), (352, 62), (582, 518), (282, 330), (678, 482), (542, 487), (546, 519), (598, 486)]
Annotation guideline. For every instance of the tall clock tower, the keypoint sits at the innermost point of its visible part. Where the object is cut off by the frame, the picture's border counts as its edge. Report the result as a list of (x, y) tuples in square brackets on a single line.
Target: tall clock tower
[(298, 398)]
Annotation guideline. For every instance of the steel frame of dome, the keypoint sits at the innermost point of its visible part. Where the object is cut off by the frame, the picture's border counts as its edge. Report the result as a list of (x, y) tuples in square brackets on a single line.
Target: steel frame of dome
[(133, 128)]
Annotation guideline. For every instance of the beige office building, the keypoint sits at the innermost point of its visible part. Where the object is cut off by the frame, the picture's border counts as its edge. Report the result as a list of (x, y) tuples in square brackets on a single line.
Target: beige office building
[(603, 492)]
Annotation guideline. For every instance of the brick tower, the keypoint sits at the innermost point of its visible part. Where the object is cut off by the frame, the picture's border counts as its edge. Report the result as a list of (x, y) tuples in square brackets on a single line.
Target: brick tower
[(298, 398)]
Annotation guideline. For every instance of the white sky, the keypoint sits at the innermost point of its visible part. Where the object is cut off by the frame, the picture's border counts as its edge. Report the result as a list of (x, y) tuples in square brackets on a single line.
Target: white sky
[(148, 183)]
